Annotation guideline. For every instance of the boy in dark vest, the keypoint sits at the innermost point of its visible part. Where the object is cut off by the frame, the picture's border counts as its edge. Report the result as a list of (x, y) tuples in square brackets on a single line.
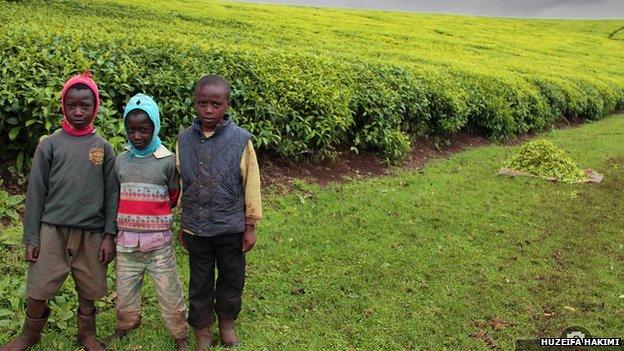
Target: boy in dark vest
[(69, 221), (220, 207)]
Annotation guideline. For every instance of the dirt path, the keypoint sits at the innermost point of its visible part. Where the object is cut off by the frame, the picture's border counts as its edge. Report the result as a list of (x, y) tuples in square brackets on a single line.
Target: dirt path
[(349, 165)]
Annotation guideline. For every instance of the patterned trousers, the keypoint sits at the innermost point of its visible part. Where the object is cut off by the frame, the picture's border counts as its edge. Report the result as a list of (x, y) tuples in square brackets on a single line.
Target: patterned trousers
[(161, 266)]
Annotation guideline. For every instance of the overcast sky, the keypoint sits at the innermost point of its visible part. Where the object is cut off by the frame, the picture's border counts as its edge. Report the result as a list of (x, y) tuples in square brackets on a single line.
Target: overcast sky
[(511, 8)]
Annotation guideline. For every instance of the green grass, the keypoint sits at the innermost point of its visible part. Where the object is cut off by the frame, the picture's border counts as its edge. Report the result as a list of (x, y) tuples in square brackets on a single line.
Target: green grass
[(409, 261)]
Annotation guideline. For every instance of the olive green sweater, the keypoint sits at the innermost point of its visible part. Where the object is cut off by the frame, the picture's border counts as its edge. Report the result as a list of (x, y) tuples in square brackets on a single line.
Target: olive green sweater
[(73, 184)]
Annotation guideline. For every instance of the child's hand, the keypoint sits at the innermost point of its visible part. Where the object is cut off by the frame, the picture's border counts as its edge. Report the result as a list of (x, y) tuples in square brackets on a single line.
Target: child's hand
[(32, 253), (249, 238), (107, 249), (181, 239)]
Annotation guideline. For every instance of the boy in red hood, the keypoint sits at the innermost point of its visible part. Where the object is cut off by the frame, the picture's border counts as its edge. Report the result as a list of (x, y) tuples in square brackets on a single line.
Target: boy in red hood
[(69, 221)]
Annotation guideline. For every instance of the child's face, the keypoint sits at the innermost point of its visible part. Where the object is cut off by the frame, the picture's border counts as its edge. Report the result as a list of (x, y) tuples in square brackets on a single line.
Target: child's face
[(211, 104), (79, 106), (140, 130)]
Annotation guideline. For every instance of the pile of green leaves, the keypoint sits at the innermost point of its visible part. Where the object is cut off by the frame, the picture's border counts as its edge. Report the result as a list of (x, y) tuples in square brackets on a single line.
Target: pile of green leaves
[(542, 158)]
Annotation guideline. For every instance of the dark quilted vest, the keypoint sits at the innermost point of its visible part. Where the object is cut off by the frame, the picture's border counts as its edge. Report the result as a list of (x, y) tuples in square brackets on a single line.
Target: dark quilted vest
[(213, 202)]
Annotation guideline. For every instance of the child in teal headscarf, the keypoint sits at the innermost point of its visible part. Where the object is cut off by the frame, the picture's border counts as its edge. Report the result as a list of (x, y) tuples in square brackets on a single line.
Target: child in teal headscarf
[(145, 107), (149, 188)]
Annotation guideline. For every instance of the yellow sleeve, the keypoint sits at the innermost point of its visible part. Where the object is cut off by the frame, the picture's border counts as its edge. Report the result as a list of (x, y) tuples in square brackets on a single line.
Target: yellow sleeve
[(177, 155), (250, 172)]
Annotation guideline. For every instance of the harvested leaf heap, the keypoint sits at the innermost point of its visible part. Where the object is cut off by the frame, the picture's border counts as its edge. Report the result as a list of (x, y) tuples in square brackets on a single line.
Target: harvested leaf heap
[(542, 158)]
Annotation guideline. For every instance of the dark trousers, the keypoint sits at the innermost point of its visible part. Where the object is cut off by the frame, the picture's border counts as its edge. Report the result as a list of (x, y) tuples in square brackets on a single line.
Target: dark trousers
[(224, 251)]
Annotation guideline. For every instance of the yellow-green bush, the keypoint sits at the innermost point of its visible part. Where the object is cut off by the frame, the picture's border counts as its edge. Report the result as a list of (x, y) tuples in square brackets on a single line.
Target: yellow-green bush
[(306, 80), (289, 109)]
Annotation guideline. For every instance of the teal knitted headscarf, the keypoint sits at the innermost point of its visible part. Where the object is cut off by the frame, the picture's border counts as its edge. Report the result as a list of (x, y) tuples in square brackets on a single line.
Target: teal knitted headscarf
[(147, 104)]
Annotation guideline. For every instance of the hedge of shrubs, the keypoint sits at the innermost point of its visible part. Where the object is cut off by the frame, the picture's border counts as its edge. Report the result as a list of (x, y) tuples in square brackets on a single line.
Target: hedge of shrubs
[(296, 104)]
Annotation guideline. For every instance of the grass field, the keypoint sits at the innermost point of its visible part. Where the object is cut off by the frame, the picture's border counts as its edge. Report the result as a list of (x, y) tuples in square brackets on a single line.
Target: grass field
[(414, 260)]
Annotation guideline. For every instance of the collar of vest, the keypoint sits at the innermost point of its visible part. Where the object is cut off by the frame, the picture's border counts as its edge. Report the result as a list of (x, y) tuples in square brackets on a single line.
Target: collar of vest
[(218, 129)]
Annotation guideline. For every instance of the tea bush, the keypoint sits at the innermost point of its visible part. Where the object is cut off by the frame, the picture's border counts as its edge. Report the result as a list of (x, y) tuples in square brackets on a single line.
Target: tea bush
[(306, 81)]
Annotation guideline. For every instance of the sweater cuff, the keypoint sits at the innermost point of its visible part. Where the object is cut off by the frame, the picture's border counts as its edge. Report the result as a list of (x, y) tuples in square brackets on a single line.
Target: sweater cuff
[(31, 240), (110, 229)]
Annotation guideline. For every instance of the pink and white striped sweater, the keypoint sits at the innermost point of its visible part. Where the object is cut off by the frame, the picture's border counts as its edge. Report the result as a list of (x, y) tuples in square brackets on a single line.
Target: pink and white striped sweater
[(149, 188)]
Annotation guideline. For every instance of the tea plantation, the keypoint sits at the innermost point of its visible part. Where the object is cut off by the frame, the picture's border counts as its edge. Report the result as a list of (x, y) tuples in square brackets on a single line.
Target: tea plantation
[(307, 80)]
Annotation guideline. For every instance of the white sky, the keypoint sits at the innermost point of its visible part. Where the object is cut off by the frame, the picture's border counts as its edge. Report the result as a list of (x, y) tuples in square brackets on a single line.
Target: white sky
[(511, 8)]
